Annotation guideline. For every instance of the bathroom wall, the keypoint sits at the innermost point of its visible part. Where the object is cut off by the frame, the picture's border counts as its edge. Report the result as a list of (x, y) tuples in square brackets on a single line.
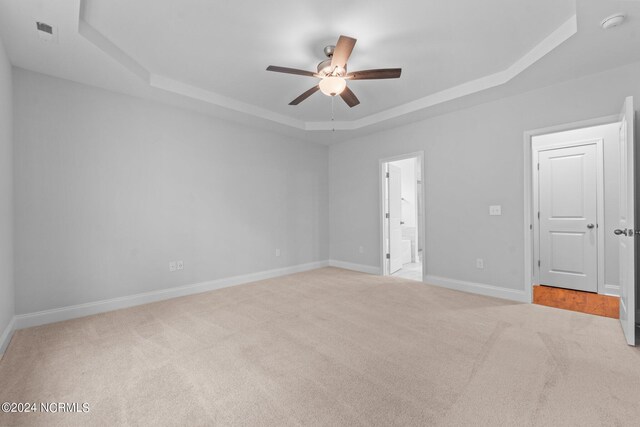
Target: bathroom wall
[(409, 203)]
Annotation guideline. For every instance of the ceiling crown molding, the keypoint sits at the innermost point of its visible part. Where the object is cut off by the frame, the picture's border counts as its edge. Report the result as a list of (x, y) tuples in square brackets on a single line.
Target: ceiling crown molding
[(551, 42)]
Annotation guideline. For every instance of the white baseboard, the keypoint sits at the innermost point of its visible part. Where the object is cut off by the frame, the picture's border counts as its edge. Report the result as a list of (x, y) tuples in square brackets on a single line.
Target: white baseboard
[(5, 338), (459, 285), (478, 288), (21, 321), (613, 290), (355, 267), (87, 309)]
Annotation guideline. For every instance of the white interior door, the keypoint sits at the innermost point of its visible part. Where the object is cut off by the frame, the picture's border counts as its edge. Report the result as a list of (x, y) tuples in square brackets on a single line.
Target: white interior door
[(568, 217), (626, 227), (395, 217)]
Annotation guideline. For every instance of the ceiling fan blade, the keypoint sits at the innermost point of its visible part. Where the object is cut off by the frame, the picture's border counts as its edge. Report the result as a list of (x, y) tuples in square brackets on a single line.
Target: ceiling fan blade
[(342, 52), (383, 73), (290, 71), (305, 95), (349, 97)]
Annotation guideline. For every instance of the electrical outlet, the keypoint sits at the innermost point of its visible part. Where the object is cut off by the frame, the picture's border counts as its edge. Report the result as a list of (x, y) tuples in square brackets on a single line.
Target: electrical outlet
[(495, 210), (480, 263), (172, 266), (277, 252), (180, 265), (361, 249)]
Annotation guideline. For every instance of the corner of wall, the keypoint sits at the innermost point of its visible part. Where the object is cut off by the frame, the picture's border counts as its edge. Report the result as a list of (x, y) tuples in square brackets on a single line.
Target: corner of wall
[(7, 282)]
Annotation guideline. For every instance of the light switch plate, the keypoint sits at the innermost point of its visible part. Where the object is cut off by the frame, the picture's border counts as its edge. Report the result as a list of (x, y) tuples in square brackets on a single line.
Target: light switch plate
[(172, 266), (180, 265), (495, 210)]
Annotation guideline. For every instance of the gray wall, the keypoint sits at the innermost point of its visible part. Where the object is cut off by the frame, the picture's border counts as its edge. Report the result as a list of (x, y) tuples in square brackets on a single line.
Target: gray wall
[(110, 188), (6, 195), (473, 159)]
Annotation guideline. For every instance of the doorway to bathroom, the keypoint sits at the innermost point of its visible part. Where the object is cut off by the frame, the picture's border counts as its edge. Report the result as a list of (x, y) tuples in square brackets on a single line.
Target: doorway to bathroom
[(402, 216)]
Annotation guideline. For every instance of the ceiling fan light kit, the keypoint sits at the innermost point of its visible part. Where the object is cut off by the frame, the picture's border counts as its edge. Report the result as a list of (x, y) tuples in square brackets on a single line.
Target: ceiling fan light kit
[(333, 75), (332, 86)]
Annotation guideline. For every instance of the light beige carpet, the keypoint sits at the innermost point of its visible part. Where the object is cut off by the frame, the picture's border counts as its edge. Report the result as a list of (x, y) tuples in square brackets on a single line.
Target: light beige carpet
[(328, 347)]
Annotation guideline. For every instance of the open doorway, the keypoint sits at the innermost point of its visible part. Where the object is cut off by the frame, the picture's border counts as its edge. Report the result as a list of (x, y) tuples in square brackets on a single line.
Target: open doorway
[(580, 217), (402, 216), (576, 185)]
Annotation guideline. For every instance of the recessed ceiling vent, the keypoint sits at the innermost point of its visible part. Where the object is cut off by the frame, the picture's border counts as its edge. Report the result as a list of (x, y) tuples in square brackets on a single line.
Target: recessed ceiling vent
[(46, 31)]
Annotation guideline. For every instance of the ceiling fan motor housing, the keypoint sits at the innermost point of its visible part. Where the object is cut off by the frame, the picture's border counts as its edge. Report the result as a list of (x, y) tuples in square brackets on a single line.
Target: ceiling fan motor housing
[(324, 69), (328, 50)]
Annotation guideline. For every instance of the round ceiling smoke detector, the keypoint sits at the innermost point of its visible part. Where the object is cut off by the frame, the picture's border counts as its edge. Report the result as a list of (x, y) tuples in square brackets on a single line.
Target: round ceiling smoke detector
[(612, 21)]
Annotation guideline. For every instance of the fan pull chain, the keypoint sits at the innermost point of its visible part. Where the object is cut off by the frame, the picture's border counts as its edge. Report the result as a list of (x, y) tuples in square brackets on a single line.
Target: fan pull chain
[(333, 128)]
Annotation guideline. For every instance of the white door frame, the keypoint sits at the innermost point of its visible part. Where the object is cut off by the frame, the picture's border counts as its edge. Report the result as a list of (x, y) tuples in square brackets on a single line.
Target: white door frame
[(536, 149), (419, 156), (528, 225)]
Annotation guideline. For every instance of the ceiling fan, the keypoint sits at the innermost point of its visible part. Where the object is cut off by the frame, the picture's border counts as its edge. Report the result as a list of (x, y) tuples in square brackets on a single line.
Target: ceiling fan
[(333, 73)]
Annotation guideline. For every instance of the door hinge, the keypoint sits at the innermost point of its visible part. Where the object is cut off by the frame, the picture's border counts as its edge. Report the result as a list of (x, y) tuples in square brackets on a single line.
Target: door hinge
[(387, 174), (530, 226), (538, 214), (538, 263), (386, 216), (388, 256), (538, 166)]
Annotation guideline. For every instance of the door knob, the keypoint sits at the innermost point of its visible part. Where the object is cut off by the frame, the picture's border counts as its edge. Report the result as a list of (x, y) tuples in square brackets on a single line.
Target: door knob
[(590, 226), (619, 232)]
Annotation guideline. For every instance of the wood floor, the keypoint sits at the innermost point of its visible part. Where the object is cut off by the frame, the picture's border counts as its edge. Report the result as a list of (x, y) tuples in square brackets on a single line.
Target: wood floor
[(584, 302)]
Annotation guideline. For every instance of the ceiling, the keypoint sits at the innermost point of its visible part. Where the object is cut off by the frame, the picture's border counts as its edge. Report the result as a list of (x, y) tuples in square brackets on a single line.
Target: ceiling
[(211, 56)]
